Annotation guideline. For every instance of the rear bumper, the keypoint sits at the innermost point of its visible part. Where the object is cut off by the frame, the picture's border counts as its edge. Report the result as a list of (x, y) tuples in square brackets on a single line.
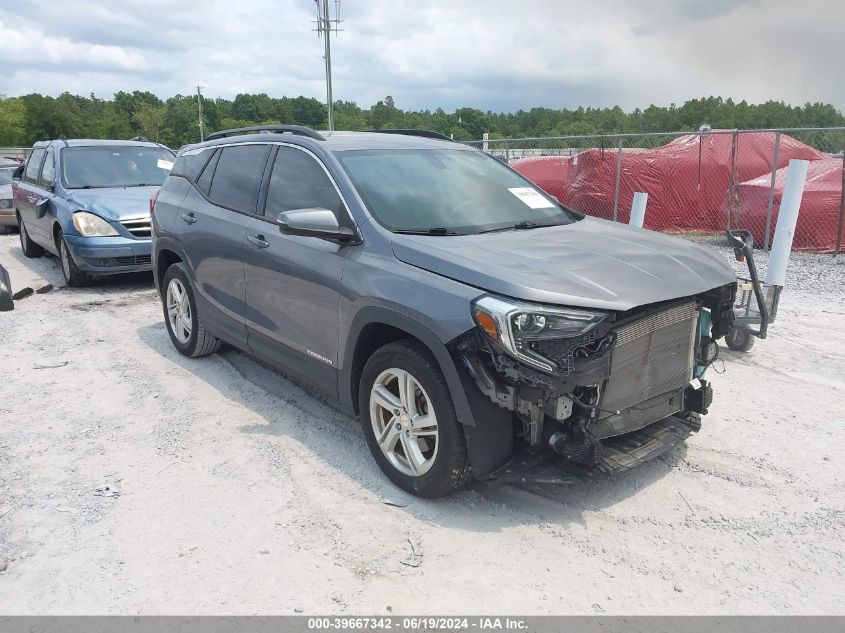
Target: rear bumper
[(110, 255), (619, 454)]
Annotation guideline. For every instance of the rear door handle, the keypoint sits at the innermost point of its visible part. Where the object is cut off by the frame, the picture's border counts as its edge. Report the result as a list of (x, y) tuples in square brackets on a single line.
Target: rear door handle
[(257, 241), (189, 218)]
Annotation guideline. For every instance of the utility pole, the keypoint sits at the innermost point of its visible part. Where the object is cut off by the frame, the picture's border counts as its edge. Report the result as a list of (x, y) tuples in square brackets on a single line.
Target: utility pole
[(199, 112), (324, 29)]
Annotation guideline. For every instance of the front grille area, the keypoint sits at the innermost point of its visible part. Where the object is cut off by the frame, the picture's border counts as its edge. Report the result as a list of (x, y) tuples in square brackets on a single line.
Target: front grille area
[(652, 363), (119, 261), (138, 228), (135, 259)]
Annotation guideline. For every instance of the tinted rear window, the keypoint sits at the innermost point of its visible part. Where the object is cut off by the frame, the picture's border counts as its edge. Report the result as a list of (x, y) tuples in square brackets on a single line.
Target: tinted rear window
[(191, 163), (238, 176)]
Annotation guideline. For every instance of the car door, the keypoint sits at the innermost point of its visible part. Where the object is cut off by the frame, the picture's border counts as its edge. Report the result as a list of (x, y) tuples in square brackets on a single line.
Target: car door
[(26, 195), (293, 282), (44, 188), (213, 221)]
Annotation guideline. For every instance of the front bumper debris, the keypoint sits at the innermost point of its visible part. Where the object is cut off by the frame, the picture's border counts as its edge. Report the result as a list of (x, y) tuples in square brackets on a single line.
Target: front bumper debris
[(619, 454)]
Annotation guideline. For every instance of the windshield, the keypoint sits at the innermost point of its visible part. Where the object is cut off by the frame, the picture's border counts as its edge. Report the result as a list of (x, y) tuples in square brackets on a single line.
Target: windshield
[(115, 166), (6, 175), (455, 191)]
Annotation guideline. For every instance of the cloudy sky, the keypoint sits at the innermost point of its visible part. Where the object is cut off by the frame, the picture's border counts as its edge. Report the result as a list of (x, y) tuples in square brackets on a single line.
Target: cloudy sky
[(500, 55)]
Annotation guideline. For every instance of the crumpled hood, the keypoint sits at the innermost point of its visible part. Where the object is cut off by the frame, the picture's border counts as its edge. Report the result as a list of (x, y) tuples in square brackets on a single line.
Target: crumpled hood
[(114, 203), (590, 263)]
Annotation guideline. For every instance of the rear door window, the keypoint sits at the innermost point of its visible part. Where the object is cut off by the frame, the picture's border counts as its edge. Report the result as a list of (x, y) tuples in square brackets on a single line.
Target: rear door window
[(237, 177), (204, 181), (33, 165), (298, 181)]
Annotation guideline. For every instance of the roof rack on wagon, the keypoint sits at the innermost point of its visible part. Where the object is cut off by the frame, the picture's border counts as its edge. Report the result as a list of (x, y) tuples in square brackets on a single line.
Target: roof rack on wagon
[(300, 130), (422, 133)]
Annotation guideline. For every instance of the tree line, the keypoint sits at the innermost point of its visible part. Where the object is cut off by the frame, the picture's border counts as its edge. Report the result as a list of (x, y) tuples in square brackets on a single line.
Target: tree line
[(174, 121)]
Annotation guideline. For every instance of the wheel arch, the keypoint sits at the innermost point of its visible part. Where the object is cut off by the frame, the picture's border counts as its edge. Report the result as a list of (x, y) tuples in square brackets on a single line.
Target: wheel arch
[(374, 327), (167, 252)]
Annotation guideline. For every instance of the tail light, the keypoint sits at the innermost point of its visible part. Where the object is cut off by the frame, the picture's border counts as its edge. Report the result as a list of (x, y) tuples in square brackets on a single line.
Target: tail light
[(153, 202)]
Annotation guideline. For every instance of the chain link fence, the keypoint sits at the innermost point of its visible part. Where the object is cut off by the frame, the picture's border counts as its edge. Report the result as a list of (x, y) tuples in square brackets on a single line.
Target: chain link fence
[(703, 181)]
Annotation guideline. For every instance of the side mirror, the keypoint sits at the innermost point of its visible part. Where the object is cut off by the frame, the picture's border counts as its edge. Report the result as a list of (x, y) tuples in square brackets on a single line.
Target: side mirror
[(316, 222), (41, 207)]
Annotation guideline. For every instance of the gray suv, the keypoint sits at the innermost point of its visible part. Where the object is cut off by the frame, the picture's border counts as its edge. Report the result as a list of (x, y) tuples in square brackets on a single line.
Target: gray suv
[(478, 328)]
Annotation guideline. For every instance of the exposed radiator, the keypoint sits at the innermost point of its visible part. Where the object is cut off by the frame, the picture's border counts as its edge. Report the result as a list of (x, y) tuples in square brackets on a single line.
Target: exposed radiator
[(652, 363)]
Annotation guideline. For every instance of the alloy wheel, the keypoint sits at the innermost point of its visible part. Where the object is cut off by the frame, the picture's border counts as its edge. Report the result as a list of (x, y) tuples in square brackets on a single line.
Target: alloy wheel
[(404, 422), (65, 260), (179, 311)]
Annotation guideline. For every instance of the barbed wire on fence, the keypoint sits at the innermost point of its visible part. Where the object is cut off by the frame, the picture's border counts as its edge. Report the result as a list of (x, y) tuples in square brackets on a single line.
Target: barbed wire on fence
[(703, 181)]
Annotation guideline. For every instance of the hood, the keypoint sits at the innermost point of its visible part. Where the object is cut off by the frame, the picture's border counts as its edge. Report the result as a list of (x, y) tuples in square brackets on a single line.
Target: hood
[(590, 263), (6, 192), (114, 203)]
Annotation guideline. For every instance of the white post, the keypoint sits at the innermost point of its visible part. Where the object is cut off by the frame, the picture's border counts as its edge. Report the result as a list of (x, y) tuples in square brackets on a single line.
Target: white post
[(790, 203), (638, 209)]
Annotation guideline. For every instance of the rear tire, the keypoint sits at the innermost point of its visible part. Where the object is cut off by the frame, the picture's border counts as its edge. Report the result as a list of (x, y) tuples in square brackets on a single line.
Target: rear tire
[(427, 428), (30, 249), (74, 277), (184, 325), (739, 339)]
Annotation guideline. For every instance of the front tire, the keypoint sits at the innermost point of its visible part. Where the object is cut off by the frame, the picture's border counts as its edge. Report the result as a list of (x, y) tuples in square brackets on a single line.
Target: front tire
[(30, 249), (410, 423), (74, 277), (739, 339), (184, 325)]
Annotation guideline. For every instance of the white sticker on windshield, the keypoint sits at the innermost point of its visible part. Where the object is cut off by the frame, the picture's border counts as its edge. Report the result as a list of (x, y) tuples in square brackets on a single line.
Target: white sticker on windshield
[(164, 164), (531, 197)]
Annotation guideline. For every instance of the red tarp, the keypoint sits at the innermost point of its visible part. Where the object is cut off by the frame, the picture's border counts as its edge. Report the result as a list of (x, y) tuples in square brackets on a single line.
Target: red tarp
[(818, 218), (550, 173), (683, 192)]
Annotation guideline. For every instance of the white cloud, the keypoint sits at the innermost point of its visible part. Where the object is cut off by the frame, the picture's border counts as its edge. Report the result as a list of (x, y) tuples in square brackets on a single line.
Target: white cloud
[(497, 54)]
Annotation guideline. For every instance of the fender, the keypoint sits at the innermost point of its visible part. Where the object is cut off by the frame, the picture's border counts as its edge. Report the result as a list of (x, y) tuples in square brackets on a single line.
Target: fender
[(167, 243), (376, 314)]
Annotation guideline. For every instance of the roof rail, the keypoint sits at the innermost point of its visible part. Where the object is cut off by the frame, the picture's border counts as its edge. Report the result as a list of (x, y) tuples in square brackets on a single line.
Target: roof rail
[(301, 130), (423, 133)]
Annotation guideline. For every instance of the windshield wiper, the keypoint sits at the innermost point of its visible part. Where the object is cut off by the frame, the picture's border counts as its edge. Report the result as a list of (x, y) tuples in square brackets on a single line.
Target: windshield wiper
[(519, 226), (434, 230)]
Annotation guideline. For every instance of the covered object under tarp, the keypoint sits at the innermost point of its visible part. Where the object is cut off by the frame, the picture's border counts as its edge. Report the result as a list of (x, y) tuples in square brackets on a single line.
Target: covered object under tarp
[(550, 173), (686, 179), (818, 218)]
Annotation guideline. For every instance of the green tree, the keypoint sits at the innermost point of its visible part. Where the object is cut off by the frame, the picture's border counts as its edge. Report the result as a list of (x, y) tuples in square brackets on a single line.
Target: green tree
[(12, 122)]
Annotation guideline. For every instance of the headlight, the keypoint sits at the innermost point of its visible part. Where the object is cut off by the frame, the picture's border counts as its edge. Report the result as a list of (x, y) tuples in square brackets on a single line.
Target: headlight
[(5, 203), (516, 325), (91, 225)]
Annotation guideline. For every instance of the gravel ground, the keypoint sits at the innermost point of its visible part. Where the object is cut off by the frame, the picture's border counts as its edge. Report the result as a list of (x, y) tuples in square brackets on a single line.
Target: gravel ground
[(136, 481)]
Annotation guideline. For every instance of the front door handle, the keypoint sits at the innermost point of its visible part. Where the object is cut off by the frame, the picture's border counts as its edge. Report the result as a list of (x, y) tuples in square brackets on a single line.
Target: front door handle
[(189, 218), (257, 241)]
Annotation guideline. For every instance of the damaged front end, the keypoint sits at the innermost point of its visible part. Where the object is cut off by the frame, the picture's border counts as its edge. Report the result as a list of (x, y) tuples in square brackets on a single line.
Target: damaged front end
[(596, 391)]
